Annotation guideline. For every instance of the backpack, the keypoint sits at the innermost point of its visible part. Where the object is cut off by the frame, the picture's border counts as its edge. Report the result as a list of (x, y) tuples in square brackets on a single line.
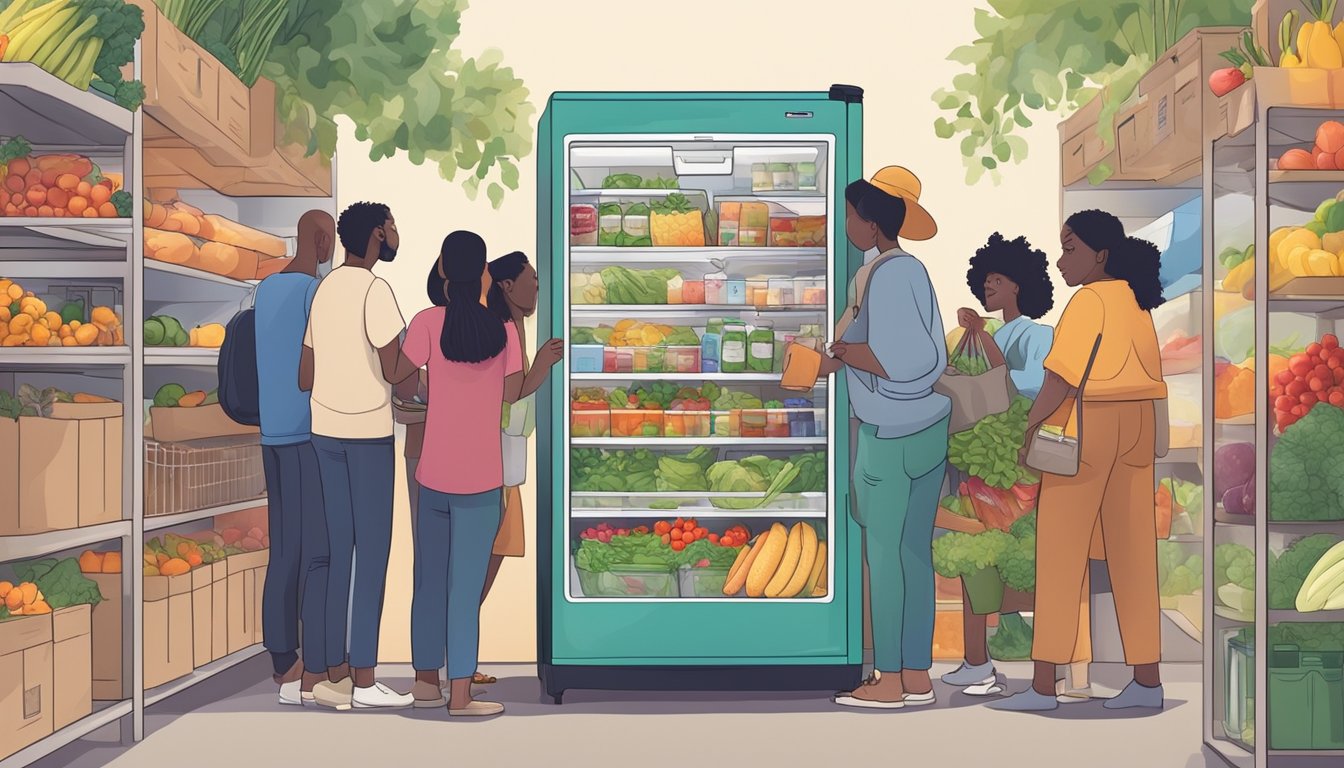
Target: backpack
[(239, 391)]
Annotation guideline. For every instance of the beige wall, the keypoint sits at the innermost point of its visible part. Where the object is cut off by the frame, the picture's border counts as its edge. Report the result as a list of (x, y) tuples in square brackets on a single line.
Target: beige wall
[(896, 51)]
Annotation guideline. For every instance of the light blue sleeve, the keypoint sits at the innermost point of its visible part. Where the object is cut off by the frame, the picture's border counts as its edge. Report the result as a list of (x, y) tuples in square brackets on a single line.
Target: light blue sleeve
[(1034, 345), (902, 320)]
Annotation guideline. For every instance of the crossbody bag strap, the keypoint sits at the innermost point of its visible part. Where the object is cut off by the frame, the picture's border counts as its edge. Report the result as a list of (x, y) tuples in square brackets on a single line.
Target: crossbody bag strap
[(1087, 373), (861, 278)]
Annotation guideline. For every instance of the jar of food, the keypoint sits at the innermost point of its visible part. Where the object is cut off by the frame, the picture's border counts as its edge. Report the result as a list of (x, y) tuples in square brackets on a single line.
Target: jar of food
[(761, 350), (693, 292), (582, 224), (735, 292), (784, 177), (714, 288), (609, 224), (807, 177), (733, 349), (762, 180)]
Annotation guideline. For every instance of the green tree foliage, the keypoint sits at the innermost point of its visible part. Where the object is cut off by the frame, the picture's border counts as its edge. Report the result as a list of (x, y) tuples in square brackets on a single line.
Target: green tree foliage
[(1055, 56), (390, 66)]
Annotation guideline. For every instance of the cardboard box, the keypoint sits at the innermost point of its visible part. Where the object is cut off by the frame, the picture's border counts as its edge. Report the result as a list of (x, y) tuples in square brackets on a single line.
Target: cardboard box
[(25, 682), (202, 615), (72, 665), (1236, 111), (167, 626), (244, 599), (179, 425), (100, 458), (107, 638), (219, 606), (1134, 131), (1081, 148), (9, 477)]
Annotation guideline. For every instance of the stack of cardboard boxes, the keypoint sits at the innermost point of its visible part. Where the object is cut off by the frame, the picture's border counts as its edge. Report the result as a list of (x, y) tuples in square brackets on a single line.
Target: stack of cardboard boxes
[(61, 472), (45, 674)]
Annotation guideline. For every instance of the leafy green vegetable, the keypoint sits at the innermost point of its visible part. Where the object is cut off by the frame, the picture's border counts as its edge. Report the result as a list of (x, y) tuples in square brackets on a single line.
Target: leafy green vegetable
[(1306, 468), (648, 549), (1233, 564), (60, 581), (681, 474), (1178, 572), (582, 336), (989, 450), (1289, 570), (622, 181), (637, 286), (13, 149), (812, 471), (121, 199), (957, 554), (1011, 640)]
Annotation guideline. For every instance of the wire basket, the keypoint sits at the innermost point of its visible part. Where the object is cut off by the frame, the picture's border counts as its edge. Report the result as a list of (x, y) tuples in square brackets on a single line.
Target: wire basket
[(202, 474)]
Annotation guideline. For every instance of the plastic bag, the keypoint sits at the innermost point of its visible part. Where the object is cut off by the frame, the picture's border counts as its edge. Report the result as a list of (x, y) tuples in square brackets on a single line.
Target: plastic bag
[(969, 358)]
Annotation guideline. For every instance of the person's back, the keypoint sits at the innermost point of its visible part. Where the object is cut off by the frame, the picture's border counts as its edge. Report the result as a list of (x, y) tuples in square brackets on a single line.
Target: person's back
[(282, 305)]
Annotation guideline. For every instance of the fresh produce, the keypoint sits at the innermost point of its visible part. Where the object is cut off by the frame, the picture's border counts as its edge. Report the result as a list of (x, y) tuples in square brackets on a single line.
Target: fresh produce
[(685, 473), (637, 286), (100, 562), (1234, 388), (597, 556), (960, 554), (674, 222), (1289, 571), (209, 336), (1289, 55), (60, 582), (783, 563), (27, 321), (990, 449), (603, 533), (1227, 80), (1323, 587), (1234, 577), (631, 333), (1316, 46), (755, 474), (1314, 376), (23, 599), (1017, 560), (1234, 478), (633, 181), (1179, 505), (587, 288), (1182, 354), (1012, 639), (1247, 55), (1179, 572), (164, 331), (1306, 469), (968, 358), (954, 336), (78, 41), (597, 470)]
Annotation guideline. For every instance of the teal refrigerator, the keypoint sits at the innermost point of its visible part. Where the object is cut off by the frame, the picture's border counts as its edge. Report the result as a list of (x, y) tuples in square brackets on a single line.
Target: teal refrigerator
[(691, 511)]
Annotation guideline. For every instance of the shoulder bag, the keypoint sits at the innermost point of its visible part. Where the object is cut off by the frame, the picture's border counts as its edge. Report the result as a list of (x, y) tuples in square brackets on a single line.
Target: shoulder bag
[(1059, 454)]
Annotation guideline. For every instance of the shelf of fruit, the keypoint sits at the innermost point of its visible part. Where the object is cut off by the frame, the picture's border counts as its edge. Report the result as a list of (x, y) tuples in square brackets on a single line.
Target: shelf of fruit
[(52, 186), (27, 321), (39, 544), (668, 414)]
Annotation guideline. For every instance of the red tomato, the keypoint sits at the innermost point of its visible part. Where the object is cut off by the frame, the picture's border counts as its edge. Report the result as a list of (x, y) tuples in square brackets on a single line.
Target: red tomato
[(713, 538), (677, 546), (728, 541), (667, 539), (679, 523), (1284, 403), (1338, 375), (1300, 365), (1330, 341), (661, 527), (692, 524), (1314, 349), (1337, 398), (1316, 385), (1284, 378), (1296, 388), (701, 533)]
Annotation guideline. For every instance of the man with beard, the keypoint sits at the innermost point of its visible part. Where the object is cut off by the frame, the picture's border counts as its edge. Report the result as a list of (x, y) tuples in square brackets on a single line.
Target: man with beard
[(351, 357)]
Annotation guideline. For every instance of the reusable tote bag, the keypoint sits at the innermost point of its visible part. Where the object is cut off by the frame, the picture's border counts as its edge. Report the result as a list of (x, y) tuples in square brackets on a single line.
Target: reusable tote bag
[(1057, 454), (975, 389)]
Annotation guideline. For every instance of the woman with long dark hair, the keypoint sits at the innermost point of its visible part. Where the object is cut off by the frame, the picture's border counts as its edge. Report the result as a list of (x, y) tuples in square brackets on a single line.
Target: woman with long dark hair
[(1108, 325), (474, 363)]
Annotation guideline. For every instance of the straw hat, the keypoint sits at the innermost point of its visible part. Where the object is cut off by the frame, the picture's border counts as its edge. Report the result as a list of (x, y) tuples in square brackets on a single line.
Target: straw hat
[(899, 182)]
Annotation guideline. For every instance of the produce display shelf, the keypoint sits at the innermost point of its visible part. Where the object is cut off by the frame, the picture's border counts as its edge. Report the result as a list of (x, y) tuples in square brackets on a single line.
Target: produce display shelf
[(38, 544), (182, 356), (25, 232), (94, 270), (156, 695), (738, 378), (160, 522), (1306, 527), (1307, 753), (1233, 617), (677, 255), (177, 270), (105, 713), (1312, 617), (1306, 177), (37, 103), (68, 356), (579, 513), (1306, 305), (1186, 538), (654, 442)]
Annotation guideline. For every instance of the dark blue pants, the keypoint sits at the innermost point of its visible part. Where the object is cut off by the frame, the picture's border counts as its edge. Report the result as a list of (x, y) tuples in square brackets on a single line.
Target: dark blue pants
[(299, 559), (357, 487)]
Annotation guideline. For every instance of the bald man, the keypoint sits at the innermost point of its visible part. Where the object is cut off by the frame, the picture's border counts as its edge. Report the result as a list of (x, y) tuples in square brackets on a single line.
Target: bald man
[(298, 529)]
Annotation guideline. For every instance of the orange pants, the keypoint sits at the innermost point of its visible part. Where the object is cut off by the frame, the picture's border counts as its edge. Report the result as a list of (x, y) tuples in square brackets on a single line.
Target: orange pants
[(1113, 492)]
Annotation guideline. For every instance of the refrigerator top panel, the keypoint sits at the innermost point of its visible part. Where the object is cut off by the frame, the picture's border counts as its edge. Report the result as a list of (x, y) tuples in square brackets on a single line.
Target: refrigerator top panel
[(848, 94), (690, 261)]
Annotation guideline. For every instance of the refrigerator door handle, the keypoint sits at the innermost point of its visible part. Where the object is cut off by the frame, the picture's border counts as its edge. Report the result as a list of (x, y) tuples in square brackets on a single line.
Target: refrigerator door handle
[(798, 115)]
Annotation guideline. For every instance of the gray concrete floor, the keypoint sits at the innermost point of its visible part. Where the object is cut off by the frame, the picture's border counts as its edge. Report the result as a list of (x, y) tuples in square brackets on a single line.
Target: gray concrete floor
[(233, 721)]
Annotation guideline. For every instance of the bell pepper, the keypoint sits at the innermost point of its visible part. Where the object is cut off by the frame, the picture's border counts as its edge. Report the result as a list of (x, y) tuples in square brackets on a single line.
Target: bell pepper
[(1316, 46)]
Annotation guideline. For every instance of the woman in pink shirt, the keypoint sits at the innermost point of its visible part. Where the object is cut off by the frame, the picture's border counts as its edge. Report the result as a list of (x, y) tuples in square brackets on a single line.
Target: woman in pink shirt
[(475, 366)]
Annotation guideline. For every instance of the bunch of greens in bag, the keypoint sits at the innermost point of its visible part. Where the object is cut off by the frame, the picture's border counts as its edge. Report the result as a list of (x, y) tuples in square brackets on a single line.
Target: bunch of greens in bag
[(969, 358)]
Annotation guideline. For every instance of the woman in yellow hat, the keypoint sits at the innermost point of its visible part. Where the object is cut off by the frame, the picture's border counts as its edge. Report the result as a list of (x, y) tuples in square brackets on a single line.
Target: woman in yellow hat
[(890, 346)]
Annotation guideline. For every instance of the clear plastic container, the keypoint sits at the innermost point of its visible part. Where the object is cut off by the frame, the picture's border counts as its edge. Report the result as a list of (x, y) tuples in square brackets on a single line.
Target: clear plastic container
[(687, 423), (807, 177), (729, 217), (589, 422), (784, 177), (783, 231), (625, 360), (762, 180), (586, 358), (810, 291), (693, 292), (582, 224), (714, 289), (648, 360), (777, 423), (753, 422), (735, 293), (630, 581), (709, 346), (725, 423), (758, 292), (609, 360), (636, 423), (761, 350), (702, 582), (781, 293), (682, 360), (675, 288), (733, 348)]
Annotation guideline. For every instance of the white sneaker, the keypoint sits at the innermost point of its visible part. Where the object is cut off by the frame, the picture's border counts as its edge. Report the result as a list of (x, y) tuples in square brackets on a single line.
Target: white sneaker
[(334, 695), (379, 696), (291, 695), (1067, 695)]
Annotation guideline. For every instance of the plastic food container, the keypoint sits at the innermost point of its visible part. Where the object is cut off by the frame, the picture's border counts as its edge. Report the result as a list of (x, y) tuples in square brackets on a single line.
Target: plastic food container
[(781, 292), (686, 423), (582, 224), (810, 291), (735, 292), (647, 360), (777, 423), (762, 180), (753, 422), (807, 177), (693, 292), (586, 358), (725, 423), (1306, 694), (783, 231), (629, 581), (714, 288), (810, 231), (636, 423), (589, 422), (802, 418), (702, 582), (1239, 691), (784, 176), (758, 292), (682, 360)]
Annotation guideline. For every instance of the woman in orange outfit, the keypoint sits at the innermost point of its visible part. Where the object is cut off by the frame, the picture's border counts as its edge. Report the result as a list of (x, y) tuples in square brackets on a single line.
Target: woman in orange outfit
[(1123, 400)]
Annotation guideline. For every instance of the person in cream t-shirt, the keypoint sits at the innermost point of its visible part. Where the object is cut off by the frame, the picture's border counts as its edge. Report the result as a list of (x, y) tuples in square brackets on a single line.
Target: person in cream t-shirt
[(351, 357)]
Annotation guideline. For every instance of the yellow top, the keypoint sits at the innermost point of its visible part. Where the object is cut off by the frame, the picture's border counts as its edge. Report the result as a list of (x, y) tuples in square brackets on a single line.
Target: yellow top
[(1129, 361)]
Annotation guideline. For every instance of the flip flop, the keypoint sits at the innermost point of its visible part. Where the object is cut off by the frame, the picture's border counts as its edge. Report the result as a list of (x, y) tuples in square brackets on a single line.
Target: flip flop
[(481, 678)]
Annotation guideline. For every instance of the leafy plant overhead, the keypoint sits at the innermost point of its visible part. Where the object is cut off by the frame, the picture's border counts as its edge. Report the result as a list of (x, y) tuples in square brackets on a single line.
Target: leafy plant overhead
[(389, 66), (1056, 56)]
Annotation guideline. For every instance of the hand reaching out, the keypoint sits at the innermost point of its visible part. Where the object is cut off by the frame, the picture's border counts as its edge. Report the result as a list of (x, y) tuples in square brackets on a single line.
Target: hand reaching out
[(550, 353)]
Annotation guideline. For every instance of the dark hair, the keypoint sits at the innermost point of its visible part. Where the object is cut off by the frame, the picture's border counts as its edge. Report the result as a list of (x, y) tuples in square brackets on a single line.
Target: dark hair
[(471, 333), (1137, 262), (1018, 261), (506, 267), (872, 204), (357, 224)]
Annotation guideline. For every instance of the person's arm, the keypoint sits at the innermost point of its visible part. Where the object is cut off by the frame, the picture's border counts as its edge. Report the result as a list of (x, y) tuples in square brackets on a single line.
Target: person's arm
[(1063, 367), (514, 377), (384, 324), (904, 351), (306, 363), (992, 352), (547, 356), (1033, 345)]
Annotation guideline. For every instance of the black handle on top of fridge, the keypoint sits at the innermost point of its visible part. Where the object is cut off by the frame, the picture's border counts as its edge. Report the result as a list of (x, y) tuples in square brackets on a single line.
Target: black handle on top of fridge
[(850, 94)]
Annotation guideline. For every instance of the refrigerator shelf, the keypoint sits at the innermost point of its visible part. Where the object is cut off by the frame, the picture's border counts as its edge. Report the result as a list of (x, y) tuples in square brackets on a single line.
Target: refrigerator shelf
[(624, 311), (657, 442), (701, 513), (607, 255), (738, 378)]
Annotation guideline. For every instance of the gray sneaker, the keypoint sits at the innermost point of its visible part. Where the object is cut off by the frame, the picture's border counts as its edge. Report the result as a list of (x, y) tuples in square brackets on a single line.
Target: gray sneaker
[(1136, 696), (967, 675), (337, 695)]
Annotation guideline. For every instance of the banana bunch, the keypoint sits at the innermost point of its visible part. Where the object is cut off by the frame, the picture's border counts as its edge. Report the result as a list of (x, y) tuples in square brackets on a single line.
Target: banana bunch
[(1323, 589), (783, 563), (587, 288)]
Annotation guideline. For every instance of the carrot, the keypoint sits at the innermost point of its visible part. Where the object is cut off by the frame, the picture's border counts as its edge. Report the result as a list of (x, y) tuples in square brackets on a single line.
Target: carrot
[(4, 44)]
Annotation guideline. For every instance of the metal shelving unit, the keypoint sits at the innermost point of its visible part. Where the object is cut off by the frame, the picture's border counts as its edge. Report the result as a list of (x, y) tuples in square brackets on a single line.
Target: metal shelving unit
[(1251, 718)]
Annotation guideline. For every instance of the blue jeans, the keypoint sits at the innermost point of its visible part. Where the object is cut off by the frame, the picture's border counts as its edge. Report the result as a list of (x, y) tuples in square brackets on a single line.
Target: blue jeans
[(896, 486), (453, 539), (299, 558), (357, 487)]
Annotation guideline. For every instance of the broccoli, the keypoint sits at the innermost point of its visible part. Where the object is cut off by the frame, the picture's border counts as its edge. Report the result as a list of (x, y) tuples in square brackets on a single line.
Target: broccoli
[(119, 25), (1234, 564), (122, 200), (1011, 641), (1289, 570), (1177, 573), (1306, 469), (1017, 564), (958, 554)]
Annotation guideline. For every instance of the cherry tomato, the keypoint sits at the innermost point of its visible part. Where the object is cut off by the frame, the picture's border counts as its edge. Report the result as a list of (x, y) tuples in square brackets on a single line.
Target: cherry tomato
[(677, 546), (1337, 398), (1330, 341), (713, 538), (667, 538), (1314, 349), (1284, 403), (1296, 388), (679, 523)]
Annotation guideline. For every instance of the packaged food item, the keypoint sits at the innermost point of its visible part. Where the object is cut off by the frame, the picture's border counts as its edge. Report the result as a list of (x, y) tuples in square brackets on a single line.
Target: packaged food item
[(709, 346), (758, 291), (784, 177), (587, 358), (729, 216), (802, 419), (761, 350), (636, 423), (782, 341), (714, 288), (754, 225), (777, 423), (723, 424), (810, 231), (609, 360), (635, 226), (590, 414), (781, 292), (609, 224), (782, 231), (693, 292), (733, 349), (753, 422), (582, 224), (683, 359), (807, 177), (810, 291), (735, 292), (761, 178), (674, 290)]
